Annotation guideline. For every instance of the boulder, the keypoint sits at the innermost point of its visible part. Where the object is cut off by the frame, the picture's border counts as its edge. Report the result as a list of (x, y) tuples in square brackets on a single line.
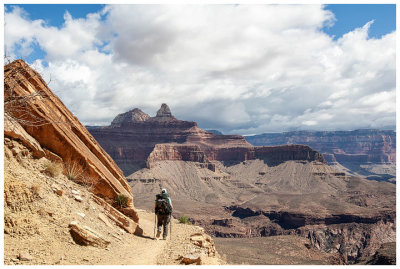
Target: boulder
[(104, 219), (25, 256), (205, 242), (119, 218), (190, 259), (85, 236), (15, 130)]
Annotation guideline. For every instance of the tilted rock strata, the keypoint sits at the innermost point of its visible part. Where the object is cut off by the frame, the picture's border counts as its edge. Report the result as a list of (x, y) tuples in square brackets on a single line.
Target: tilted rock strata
[(61, 133), (85, 236)]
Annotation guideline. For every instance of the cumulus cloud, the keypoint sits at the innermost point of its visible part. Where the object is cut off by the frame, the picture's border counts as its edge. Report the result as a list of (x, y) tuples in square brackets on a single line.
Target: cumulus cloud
[(241, 69)]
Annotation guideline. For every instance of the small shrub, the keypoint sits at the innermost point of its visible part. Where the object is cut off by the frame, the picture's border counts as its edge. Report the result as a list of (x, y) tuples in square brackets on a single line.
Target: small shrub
[(73, 171), (184, 219), (121, 200), (87, 182), (52, 169), (36, 190)]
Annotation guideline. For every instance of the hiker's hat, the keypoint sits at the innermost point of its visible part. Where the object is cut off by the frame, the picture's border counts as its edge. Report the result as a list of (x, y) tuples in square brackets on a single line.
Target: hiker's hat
[(163, 190)]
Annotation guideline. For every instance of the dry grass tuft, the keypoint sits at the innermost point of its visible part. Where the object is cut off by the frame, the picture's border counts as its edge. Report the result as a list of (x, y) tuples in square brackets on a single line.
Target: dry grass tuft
[(35, 189), (88, 182), (73, 171), (53, 169)]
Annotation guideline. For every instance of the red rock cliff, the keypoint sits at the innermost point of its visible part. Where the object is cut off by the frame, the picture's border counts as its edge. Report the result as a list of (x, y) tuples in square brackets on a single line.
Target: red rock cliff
[(53, 131)]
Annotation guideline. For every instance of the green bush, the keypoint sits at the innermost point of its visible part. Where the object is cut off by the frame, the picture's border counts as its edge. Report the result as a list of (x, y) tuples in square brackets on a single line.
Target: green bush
[(121, 200), (184, 219)]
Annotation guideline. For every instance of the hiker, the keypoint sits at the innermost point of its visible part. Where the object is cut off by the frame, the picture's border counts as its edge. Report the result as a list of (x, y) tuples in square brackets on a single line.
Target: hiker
[(163, 210)]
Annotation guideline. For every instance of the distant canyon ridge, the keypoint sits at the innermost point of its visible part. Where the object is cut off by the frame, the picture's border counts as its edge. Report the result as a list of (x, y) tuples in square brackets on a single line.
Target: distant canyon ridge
[(131, 141), (369, 153), (135, 140)]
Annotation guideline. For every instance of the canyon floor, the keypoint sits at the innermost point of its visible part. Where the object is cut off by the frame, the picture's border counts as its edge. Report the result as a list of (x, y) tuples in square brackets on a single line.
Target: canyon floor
[(253, 203), (272, 250)]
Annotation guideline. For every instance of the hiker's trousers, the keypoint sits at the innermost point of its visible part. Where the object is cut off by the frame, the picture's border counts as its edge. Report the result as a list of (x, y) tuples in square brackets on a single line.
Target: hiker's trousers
[(163, 220)]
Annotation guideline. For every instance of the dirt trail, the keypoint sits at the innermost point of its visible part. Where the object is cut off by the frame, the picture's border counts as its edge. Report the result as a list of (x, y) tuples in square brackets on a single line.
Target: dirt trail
[(36, 223)]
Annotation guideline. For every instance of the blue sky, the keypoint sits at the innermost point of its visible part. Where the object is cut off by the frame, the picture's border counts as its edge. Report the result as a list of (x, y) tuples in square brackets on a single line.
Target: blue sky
[(54, 14), (241, 69), (351, 16), (348, 17)]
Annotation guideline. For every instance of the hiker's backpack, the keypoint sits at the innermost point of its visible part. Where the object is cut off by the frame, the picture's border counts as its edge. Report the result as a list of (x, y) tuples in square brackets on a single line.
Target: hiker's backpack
[(163, 206)]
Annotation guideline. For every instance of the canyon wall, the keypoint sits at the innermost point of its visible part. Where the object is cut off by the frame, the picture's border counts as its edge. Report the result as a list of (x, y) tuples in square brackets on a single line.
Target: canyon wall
[(369, 145), (133, 136), (369, 153)]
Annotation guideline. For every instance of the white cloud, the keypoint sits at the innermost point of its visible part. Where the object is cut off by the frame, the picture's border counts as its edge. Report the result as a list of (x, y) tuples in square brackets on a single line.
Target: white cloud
[(241, 69)]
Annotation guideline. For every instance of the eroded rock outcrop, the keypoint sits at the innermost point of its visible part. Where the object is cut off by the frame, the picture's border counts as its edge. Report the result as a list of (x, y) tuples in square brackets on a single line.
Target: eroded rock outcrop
[(134, 115), (132, 143), (86, 236), (179, 152), (353, 241), (50, 130), (386, 255), (163, 114)]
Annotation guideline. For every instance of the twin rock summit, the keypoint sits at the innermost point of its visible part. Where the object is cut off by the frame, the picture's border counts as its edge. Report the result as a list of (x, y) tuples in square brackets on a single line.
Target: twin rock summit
[(136, 140)]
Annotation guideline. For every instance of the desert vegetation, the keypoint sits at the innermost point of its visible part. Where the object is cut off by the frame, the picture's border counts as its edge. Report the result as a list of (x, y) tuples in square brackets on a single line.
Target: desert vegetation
[(184, 219), (121, 200), (73, 171), (53, 169)]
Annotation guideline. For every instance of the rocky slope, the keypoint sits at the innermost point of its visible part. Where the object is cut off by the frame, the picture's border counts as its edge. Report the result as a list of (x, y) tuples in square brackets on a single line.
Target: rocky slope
[(41, 121), (65, 199), (40, 210), (386, 255), (368, 153)]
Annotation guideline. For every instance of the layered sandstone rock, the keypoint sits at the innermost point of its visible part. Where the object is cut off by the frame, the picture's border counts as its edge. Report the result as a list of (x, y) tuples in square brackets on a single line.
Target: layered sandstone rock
[(179, 152), (133, 143), (377, 146), (369, 153), (49, 129)]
